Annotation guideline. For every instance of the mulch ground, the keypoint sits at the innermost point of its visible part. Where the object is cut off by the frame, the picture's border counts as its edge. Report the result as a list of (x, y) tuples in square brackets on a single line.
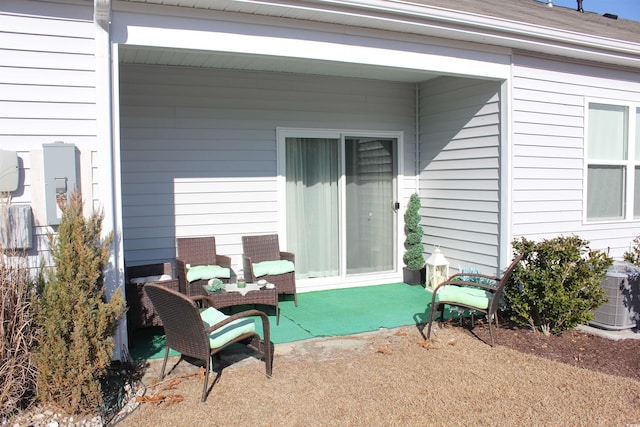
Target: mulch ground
[(584, 350)]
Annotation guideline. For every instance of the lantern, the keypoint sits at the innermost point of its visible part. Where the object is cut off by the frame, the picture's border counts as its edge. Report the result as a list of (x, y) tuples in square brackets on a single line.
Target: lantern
[(437, 269)]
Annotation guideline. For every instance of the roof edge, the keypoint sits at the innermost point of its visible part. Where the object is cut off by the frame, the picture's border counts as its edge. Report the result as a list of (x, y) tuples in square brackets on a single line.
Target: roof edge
[(460, 25)]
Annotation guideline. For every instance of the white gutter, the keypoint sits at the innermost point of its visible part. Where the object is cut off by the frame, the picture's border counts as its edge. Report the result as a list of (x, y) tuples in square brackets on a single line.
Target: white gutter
[(417, 151), (460, 25), (104, 135)]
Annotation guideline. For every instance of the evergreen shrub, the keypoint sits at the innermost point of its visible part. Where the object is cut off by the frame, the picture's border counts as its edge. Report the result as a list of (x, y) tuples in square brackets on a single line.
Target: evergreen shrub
[(633, 255), (557, 285), (75, 321)]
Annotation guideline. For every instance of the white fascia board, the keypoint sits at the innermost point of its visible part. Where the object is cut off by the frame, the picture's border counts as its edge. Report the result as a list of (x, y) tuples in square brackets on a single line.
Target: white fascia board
[(211, 32), (491, 24), (459, 25)]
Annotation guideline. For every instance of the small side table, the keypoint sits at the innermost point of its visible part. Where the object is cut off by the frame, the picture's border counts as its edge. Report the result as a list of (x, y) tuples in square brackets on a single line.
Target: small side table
[(252, 294)]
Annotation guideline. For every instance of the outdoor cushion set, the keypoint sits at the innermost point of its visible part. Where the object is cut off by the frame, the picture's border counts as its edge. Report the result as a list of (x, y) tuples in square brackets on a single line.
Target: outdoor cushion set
[(198, 263), (474, 291), (202, 334), (156, 299)]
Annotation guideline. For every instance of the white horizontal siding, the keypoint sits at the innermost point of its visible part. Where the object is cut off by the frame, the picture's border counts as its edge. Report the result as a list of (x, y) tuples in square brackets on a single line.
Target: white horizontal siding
[(44, 77), (198, 147), (47, 110), (459, 179), (47, 67), (548, 148), (47, 92)]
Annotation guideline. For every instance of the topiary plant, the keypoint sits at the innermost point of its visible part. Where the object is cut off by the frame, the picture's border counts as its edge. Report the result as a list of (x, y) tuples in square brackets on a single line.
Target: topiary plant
[(557, 285), (75, 321), (414, 256)]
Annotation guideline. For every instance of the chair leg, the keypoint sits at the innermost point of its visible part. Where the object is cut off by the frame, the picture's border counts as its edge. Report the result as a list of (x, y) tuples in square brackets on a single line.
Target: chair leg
[(433, 310), (268, 357), (206, 378), (491, 333), (295, 298), (164, 362)]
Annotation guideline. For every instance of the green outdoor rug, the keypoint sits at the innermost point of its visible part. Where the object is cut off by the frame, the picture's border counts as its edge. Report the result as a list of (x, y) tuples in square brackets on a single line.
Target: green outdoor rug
[(323, 314)]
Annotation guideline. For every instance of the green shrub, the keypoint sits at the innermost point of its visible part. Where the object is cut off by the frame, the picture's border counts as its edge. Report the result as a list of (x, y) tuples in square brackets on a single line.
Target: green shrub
[(557, 285), (75, 322), (633, 256), (414, 256)]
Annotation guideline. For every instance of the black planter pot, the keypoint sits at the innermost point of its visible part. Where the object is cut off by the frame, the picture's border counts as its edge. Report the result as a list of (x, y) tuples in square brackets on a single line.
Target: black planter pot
[(414, 277)]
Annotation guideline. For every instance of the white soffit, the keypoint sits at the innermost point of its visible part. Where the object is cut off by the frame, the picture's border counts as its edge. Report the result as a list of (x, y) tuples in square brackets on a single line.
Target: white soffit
[(130, 54)]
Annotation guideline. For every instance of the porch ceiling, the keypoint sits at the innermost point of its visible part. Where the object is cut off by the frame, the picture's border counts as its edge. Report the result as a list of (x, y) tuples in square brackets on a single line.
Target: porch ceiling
[(193, 58)]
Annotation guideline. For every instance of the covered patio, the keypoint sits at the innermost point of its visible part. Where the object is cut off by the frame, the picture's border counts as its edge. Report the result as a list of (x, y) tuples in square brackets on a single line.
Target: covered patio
[(209, 109), (331, 313)]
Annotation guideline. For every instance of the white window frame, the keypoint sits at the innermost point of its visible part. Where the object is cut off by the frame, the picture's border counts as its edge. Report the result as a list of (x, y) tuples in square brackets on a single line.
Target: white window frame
[(629, 164)]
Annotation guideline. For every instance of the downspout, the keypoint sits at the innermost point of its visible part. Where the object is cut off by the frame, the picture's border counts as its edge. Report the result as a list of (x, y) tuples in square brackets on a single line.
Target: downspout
[(104, 136), (417, 163)]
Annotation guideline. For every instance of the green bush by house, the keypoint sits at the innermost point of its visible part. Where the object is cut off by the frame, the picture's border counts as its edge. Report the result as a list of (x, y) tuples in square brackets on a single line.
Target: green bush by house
[(557, 284), (633, 255), (75, 321)]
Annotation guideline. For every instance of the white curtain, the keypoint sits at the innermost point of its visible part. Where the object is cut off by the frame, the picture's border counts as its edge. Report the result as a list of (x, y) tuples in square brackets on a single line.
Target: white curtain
[(608, 141), (313, 166), (605, 192), (636, 196), (637, 133), (608, 127)]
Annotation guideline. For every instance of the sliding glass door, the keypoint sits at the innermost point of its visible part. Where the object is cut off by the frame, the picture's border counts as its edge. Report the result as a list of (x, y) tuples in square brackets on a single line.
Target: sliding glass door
[(340, 194), (370, 219)]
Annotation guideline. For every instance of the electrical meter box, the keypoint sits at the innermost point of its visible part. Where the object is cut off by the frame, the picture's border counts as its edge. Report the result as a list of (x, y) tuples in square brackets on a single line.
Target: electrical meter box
[(60, 171), (9, 172)]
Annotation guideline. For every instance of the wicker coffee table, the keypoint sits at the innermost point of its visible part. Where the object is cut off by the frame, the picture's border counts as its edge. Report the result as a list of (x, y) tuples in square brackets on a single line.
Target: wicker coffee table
[(252, 294)]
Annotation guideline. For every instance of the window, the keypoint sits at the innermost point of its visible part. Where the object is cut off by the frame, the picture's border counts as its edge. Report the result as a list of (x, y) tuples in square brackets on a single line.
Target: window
[(613, 162)]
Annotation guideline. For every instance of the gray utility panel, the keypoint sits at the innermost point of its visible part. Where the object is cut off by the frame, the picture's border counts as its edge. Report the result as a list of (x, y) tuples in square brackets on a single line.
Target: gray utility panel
[(60, 177)]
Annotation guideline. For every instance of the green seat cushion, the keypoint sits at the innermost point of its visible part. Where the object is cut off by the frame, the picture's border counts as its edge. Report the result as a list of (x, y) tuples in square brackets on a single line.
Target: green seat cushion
[(206, 272), (228, 332), (471, 297), (273, 268)]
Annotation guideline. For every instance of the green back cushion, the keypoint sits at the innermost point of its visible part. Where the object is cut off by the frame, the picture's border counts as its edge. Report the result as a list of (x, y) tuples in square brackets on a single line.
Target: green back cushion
[(206, 272), (228, 332), (273, 268), (471, 297)]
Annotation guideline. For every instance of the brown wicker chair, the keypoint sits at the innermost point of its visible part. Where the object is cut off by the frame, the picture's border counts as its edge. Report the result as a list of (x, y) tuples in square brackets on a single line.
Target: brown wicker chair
[(197, 251), (267, 248), (185, 331), (481, 297), (140, 313)]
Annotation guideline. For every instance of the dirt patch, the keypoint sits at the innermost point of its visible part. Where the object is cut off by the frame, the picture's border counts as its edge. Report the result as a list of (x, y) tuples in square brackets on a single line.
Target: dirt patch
[(580, 349), (395, 377)]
